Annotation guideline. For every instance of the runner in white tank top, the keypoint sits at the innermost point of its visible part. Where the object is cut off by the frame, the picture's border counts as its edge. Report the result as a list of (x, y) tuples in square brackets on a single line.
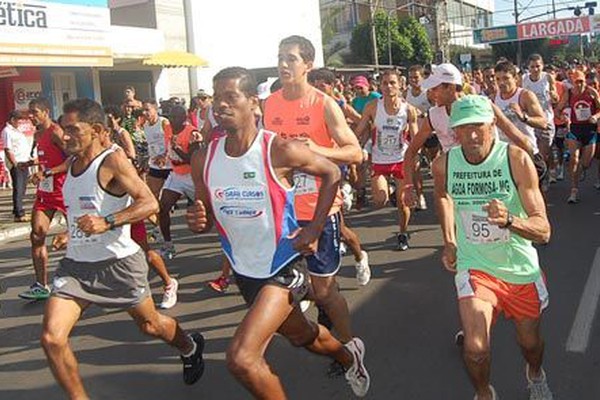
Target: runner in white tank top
[(103, 266), (395, 121), (243, 179)]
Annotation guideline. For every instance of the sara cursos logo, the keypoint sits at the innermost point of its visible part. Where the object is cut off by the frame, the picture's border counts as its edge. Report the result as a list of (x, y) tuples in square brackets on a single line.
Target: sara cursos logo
[(23, 96), (240, 212), (240, 193), (23, 15)]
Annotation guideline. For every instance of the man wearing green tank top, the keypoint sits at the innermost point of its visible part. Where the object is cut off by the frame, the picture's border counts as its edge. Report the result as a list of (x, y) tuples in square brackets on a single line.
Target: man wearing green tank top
[(491, 210)]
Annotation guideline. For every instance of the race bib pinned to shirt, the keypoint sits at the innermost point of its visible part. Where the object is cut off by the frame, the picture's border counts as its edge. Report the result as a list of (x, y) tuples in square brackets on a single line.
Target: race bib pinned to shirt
[(478, 230), (304, 184), (46, 185)]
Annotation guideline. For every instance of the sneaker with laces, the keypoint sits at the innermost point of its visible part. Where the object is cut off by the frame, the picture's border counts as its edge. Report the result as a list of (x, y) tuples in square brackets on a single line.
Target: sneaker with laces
[(538, 388), (421, 204), (363, 271), (357, 376), (168, 251), (573, 197), (494, 394), (170, 295), (221, 284), (193, 366), (37, 291), (402, 241)]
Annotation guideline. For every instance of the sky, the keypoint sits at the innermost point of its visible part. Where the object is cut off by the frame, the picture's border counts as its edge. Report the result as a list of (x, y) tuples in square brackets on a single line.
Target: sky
[(529, 8)]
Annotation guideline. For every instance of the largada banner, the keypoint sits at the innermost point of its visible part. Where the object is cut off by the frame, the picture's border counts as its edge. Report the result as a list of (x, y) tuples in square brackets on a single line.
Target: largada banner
[(55, 33), (536, 30)]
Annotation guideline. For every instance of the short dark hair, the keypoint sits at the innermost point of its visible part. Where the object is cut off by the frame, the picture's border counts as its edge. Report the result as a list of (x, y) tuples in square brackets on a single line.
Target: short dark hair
[(416, 68), (247, 82), (15, 114), (152, 102), (88, 111), (535, 57), (307, 50), (321, 74), (42, 103), (137, 112), (506, 66), (391, 71)]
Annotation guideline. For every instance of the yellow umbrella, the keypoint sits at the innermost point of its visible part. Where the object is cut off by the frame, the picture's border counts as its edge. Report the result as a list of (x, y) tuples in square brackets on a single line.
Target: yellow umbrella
[(175, 59)]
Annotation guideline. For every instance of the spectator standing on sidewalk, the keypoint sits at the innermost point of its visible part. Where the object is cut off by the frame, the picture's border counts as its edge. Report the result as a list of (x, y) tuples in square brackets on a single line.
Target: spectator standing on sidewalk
[(16, 150)]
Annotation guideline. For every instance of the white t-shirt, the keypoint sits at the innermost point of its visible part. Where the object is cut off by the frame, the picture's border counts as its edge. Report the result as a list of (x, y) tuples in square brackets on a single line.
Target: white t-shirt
[(16, 141)]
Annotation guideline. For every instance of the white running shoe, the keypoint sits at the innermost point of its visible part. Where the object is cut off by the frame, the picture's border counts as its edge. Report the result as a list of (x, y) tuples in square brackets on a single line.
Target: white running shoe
[(538, 388), (170, 295), (422, 203), (573, 198), (305, 305), (363, 271), (494, 394), (343, 249), (357, 375)]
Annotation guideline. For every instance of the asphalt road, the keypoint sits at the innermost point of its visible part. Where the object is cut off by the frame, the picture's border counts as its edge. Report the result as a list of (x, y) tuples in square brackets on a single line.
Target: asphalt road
[(406, 316)]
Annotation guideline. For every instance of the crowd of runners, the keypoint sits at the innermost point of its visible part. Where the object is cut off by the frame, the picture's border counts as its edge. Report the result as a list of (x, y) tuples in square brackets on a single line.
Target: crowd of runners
[(274, 167)]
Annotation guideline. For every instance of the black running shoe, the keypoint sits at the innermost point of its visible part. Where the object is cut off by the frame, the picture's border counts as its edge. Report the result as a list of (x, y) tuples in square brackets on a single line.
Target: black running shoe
[(323, 318), (193, 366), (402, 241)]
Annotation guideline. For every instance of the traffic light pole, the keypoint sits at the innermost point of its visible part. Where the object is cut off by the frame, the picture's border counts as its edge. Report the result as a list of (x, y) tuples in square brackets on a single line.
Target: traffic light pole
[(519, 46)]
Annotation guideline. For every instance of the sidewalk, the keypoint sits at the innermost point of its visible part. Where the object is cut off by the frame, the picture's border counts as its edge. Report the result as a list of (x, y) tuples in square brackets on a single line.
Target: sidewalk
[(9, 229)]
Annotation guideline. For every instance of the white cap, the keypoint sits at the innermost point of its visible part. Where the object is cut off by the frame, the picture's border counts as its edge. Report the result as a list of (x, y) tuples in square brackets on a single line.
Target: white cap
[(443, 73)]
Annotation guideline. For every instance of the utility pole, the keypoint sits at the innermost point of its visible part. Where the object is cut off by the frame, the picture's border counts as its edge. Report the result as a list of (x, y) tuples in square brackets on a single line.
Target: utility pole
[(519, 48), (374, 36), (553, 9)]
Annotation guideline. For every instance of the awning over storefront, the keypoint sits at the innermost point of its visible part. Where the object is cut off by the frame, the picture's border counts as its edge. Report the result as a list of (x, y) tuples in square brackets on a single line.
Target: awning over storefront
[(175, 59)]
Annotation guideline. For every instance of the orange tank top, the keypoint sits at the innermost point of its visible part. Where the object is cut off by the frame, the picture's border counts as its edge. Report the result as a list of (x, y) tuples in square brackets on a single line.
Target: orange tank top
[(302, 118), (183, 140)]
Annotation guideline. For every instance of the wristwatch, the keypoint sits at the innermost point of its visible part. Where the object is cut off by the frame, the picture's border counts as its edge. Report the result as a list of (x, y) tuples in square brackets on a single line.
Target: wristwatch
[(47, 173), (110, 220), (509, 221), (525, 118)]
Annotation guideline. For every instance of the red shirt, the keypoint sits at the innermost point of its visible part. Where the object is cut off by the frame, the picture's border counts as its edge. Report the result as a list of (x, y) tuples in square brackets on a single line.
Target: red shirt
[(50, 156)]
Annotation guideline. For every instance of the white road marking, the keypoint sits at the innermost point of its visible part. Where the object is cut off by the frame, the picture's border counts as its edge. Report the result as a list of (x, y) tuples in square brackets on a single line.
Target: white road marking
[(584, 319)]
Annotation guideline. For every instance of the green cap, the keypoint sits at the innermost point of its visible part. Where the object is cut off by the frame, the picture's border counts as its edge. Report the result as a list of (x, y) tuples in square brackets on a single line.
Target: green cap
[(471, 109)]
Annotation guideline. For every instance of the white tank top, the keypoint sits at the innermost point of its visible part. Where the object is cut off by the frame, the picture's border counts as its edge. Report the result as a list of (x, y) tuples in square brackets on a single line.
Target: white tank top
[(541, 88), (253, 211), (440, 122), (389, 145), (155, 136), (83, 195), (420, 102), (510, 114)]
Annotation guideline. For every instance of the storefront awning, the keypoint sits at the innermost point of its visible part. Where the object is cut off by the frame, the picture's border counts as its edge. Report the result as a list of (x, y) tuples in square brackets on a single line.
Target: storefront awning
[(175, 59)]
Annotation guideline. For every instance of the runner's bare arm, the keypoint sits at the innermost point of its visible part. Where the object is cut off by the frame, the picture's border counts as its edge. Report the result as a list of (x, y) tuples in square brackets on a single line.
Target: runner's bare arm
[(536, 226), (193, 146), (126, 143), (367, 118), (413, 125), (199, 216), (57, 138), (117, 175), (532, 108), (347, 150), (351, 113), (445, 210), (511, 131), (553, 92), (417, 142), (596, 98)]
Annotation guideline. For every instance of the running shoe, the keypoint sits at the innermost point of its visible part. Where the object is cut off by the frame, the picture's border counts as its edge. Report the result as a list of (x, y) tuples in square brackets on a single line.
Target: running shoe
[(37, 291), (343, 249), (422, 204), (494, 394), (459, 338), (221, 284), (560, 175), (193, 366), (323, 318), (305, 305), (170, 295), (357, 375), (573, 198), (538, 388), (168, 251), (363, 271), (552, 176), (22, 218), (402, 241)]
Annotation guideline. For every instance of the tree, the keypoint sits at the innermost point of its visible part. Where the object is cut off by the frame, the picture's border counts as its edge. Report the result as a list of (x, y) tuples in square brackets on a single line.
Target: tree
[(409, 42)]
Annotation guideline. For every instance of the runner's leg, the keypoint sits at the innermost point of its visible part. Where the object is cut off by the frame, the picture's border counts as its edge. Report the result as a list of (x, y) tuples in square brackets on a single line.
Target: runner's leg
[(531, 343), (60, 316), (40, 225), (168, 198), (328, 296)]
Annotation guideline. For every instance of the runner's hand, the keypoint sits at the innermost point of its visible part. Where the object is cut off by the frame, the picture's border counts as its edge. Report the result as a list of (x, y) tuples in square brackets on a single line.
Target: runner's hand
[(449, 257), (197, 217), (306, 240), (497, 212), (92, 224), (37, 177)]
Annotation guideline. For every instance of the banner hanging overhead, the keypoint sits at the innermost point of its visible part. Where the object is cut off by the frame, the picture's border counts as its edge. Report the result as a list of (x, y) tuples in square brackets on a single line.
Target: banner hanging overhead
[(55, 33)]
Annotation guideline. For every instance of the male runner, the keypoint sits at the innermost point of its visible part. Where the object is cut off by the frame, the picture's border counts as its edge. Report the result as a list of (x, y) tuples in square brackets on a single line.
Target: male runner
[(103, 266), (48, 197), (395, 122), (243, 179), (543, 86), (299, 111), (158, 133), (491, 209), (183, 143)]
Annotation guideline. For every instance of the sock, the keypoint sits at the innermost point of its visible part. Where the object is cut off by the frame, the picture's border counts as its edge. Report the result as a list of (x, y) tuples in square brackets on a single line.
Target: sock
[(191, 353)]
